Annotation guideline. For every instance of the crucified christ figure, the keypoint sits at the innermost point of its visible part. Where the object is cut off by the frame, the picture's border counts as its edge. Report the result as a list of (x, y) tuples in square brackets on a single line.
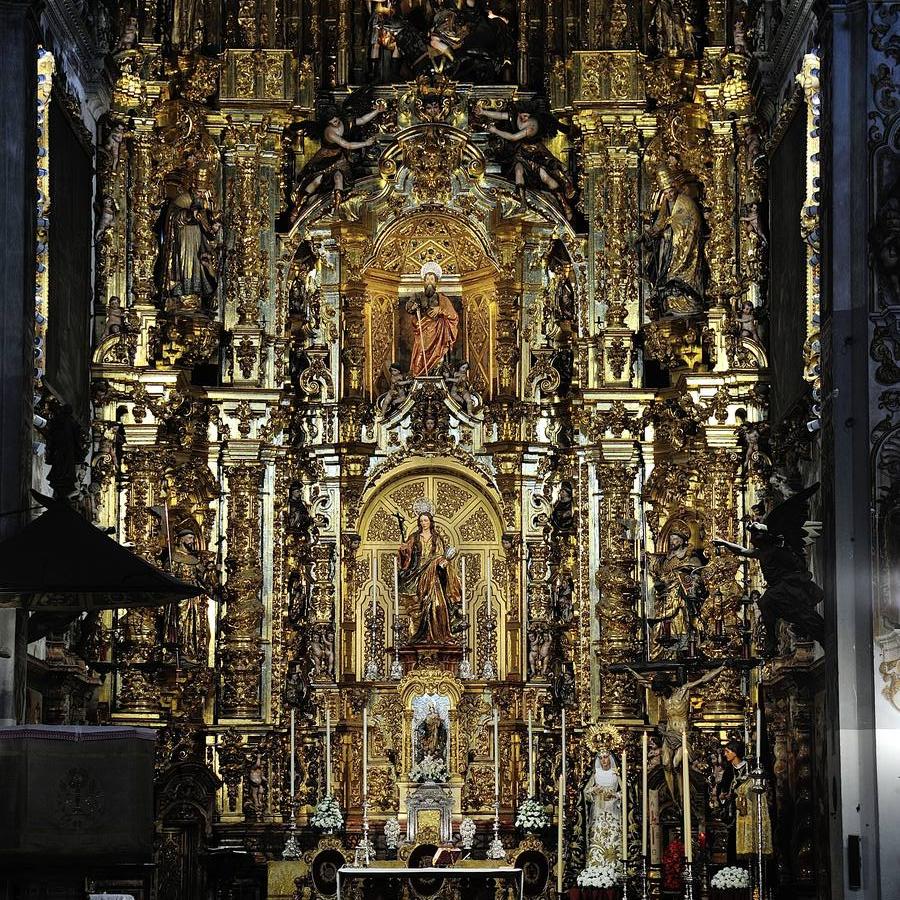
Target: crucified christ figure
[(674, 716)]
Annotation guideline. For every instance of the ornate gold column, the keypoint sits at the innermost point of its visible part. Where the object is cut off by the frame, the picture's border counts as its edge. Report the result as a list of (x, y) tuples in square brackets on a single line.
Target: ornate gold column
[(137, 692), (716, 496), (353, 242), (510, 243), (142, 242), (616, 263), (241, 623), (616, 468)]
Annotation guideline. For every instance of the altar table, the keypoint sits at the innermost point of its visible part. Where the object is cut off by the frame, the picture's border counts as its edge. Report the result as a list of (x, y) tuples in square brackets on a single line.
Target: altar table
[(507, 873)]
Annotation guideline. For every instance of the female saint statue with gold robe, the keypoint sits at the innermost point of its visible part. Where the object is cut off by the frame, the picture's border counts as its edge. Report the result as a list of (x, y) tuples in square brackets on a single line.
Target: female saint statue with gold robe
[(676, 265), (429, 585)]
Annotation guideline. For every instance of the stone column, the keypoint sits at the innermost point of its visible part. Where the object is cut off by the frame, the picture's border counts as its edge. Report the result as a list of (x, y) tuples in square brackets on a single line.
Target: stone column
[(18, 162), (861, 742)]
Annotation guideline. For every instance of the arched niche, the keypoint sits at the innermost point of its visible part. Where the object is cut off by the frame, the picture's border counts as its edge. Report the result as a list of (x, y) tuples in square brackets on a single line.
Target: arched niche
[(469, 516), (392, 274)]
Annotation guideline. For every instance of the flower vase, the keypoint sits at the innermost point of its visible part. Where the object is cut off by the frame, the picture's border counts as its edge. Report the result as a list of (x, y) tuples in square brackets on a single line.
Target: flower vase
[(729, 894)]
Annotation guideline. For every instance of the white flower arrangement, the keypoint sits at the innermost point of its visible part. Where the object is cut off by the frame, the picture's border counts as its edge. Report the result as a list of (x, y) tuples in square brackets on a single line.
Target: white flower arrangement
[(532, 816), (327, 816), (598, 877), (429, 768), (467, 829), (392, 833), (730, 878)]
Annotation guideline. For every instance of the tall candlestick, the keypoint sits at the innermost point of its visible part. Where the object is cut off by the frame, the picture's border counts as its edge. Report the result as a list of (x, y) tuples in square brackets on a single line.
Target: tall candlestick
[(327, 749), (374, 589), (758, 731), (645, 800), (560, 865), (365, 755), (293, 757), (396, 589), (530, 757), (625, 806), (463, 584), (496, 756), (686, 796)]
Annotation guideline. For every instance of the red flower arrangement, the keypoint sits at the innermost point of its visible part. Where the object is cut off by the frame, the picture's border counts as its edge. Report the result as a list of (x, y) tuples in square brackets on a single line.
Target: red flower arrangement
[(673, 867)]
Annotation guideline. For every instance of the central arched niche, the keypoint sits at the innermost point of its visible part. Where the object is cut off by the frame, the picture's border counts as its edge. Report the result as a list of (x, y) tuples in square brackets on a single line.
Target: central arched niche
[(469, 279), (469, 517)]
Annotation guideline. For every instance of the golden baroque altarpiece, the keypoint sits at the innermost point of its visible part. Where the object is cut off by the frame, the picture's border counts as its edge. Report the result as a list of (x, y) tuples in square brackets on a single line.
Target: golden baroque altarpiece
[(279, 395)]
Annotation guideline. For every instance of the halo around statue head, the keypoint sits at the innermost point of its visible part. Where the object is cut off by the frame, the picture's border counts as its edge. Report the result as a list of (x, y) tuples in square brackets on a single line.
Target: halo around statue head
[(603, 736), (665, 179), (431, 268), (423, 505), (681, 528)]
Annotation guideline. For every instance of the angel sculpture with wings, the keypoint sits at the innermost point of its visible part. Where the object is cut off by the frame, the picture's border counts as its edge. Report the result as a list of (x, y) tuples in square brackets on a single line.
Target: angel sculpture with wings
[(778, 542), (532, 164), (330, 166)]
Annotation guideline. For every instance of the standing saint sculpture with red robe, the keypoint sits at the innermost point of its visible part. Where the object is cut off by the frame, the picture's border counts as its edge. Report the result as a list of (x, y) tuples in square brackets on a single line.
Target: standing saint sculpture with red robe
[(436, 324)]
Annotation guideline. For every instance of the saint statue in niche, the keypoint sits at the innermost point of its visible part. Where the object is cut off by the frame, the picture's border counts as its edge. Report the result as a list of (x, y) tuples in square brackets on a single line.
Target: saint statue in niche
[(431, 735), (429, 585), (436, 324), (679, 589), (675, 262), (189, 232)]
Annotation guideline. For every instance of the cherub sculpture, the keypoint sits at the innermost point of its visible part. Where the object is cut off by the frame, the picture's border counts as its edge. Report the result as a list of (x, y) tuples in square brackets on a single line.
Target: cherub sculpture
[(532, 165), (460, 389), (394, 397), (779, 543)]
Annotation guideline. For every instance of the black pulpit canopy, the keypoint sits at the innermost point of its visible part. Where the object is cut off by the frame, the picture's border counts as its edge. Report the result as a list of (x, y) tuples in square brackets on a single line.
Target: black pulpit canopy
[(60, 562), (75, 796)]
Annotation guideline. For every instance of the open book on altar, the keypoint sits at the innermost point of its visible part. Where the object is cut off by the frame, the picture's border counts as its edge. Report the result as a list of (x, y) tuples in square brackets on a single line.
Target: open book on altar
[(445, 856)]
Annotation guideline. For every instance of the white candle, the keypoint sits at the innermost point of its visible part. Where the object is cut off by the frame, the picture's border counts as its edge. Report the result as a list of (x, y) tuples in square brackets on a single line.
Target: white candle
[(463, 583), (327, 749), (365, 754), (530, 757), (293, 757), (560, 865), (374, 588), (645, 800), (625, 805), (496, 756), (686, 797), (490, 572), (758, 731), (396, 589)]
